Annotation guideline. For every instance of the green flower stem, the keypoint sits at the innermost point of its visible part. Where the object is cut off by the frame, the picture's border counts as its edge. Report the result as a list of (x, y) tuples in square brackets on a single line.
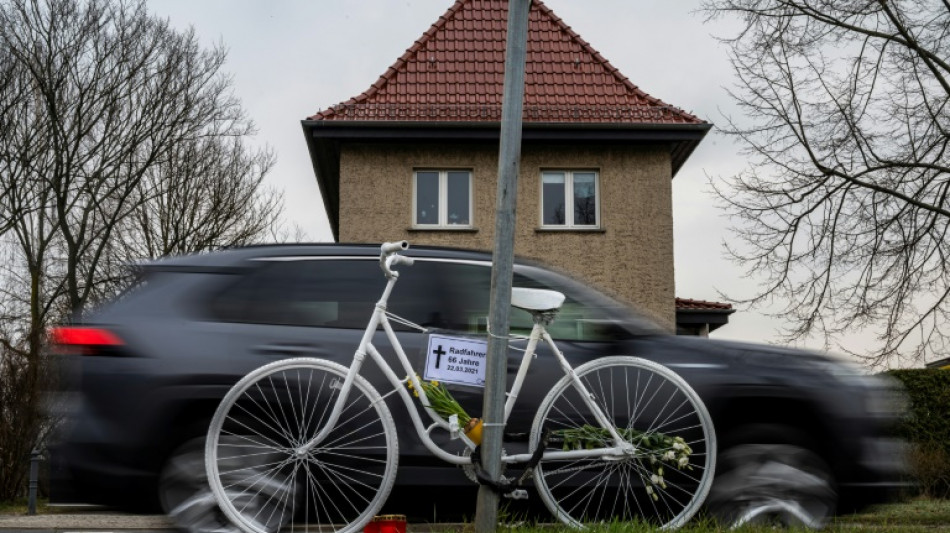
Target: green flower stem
[(442, 402)]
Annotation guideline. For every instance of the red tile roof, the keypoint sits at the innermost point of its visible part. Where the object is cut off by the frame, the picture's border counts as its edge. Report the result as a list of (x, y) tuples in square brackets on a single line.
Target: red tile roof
[(455, 73), (701, 305)]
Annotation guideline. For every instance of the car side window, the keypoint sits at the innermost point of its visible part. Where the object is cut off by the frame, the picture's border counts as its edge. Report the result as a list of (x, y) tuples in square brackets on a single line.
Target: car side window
[(333, 293), (468, 289)]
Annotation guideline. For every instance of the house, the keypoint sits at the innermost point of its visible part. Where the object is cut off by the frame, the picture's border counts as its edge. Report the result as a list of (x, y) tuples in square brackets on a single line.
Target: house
[(415, 156)]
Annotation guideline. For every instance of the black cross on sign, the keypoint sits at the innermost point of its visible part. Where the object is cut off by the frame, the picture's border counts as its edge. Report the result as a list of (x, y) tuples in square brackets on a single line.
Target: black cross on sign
[(439, 352)]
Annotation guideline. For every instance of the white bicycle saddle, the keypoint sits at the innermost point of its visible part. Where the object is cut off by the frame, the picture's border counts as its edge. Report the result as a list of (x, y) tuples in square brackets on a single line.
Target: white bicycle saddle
[(536, 299)]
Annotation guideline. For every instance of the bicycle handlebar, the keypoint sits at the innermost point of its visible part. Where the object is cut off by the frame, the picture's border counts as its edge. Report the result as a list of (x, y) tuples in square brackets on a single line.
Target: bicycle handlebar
[(393, 247), (388, 257)]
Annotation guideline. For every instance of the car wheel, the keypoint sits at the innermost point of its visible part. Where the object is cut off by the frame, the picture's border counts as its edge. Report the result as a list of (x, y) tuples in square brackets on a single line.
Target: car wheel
[(772, 484), (184, 492)]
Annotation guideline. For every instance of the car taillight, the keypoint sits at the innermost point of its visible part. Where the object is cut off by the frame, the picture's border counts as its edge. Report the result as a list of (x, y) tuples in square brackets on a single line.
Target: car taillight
[(85, 341)]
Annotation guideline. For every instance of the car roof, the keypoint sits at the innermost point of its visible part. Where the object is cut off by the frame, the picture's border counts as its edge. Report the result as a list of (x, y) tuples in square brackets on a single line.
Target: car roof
[(238, 257)]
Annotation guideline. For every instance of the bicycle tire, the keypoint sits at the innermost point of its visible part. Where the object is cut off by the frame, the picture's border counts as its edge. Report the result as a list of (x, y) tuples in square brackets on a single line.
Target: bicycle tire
[(657, 404), (259, 479)]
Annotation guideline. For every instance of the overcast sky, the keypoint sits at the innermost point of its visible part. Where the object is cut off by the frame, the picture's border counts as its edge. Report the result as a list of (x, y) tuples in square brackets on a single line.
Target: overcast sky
[(292, 58)]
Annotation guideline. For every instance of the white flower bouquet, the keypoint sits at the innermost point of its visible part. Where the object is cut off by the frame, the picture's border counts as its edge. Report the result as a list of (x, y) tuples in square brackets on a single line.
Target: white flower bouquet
[(658, 449)]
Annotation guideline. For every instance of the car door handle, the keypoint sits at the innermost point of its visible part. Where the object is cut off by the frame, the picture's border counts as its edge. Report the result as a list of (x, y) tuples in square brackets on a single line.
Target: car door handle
[(293, 350)]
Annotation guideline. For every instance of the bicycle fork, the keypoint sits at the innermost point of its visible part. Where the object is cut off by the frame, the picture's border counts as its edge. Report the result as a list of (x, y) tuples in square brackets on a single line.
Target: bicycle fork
[(338, 406), (352, 371)]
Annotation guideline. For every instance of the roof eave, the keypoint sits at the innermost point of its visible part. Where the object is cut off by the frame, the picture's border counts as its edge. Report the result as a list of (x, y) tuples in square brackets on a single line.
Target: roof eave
[(323, 137), (684, 138), (463, 124), (712, 318), (689, 311)]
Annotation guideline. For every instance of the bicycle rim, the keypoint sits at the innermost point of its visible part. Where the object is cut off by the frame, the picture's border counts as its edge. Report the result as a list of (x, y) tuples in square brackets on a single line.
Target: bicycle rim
[(260, 479), (655, 410)]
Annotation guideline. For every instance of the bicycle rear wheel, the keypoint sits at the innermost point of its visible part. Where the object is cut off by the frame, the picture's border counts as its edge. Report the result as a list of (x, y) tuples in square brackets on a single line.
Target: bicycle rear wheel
[(260, 477), (662, 481)]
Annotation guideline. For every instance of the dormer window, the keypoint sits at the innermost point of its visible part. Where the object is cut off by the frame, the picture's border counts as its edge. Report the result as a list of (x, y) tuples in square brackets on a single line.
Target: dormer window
[(442, 199), (570, 199)]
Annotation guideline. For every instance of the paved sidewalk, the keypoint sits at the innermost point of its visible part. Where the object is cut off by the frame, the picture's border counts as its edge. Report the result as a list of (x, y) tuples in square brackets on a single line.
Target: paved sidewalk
[(86, 521), (102, 522)]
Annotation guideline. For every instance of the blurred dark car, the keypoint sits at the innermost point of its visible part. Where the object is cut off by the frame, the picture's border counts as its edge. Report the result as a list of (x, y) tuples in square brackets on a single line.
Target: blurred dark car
[(800, 434)]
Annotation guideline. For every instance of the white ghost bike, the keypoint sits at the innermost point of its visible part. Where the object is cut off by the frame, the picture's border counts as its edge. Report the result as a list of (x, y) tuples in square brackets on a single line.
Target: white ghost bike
[(308, 444)]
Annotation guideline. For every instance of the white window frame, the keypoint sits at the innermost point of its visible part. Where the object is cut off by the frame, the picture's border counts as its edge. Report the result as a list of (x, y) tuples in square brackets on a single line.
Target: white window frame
[(443, 222), (569, 199)]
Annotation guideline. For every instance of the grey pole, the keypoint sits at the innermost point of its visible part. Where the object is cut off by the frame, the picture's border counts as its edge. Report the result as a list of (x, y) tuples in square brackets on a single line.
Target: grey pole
[(509, 158)]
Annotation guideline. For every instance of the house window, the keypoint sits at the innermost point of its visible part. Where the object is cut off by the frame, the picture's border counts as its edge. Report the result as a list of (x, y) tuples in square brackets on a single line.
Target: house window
[(569, 199), (442, 198)]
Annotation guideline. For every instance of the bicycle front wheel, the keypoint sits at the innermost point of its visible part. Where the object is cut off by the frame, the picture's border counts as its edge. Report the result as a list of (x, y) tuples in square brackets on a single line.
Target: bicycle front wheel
[(662, 479), (261, 477)]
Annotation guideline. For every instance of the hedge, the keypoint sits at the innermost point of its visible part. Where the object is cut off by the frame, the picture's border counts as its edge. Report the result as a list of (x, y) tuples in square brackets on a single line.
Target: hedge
[(927, 428)]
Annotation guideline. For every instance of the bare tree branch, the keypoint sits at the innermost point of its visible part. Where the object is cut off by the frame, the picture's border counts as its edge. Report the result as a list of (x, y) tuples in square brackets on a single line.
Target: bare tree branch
[(844, 209), (120, 139)]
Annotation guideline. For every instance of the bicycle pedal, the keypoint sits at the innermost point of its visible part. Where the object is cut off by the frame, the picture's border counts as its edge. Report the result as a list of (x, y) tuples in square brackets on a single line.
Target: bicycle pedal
[(517, 494)]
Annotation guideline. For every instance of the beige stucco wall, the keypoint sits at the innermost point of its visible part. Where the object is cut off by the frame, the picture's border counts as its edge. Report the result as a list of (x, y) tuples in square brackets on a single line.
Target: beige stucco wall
[(630, 257)]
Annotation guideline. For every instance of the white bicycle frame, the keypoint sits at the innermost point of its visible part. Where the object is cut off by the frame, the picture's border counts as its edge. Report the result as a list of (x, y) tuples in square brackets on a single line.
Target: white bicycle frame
[(388, 259)]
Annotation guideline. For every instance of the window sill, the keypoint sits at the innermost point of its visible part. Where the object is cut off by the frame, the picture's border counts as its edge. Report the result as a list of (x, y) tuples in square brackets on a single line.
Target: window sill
[(461, 229), (569, 230)]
